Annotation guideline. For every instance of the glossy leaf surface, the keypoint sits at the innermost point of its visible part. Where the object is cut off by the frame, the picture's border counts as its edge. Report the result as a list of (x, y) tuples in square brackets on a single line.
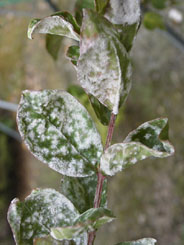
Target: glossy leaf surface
[(61, 23), (144, 241), (89, 221), (103, 67), (81, 191), (125, 15), (149, 139), (58, 130), (73, 53), (53, 44), (41, 210)]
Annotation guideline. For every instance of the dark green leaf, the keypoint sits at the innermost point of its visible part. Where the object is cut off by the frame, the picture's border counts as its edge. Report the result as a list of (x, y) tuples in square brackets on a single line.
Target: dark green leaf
[(101, 5), (58, 130), (89, 221), (125, 15), (41, 210), (144, 241), (103, 66), (61, 23), (102, 112), (73, 53), (53, 44), (159, 4), (153, 20), (149, 139), (81, 191)]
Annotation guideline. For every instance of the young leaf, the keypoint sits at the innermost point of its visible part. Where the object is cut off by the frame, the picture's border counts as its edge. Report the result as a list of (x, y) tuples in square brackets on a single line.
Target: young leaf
[(41, 210), (125, 15), (53, 44), (61, 23), (89, 221), (149, 139), (73, 53), (80, 5), (153, 20), (144, 241), (58, 130), (48, 240), (81, 191), (103, 66), (101, 5)]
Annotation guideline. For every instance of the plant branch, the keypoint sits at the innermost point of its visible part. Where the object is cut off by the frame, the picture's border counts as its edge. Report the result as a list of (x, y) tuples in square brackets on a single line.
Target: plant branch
[(101, 177)]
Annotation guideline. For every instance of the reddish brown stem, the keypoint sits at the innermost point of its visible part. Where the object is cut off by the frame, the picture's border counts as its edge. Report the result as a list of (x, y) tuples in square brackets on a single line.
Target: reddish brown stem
[(98, 194)]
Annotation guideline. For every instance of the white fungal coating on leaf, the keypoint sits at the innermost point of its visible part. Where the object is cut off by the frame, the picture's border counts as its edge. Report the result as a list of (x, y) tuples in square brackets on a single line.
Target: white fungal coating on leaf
[(52, 25), (59, 131), (124, 11), (41, 210), (103, 67), (150, 139), (143, 241)]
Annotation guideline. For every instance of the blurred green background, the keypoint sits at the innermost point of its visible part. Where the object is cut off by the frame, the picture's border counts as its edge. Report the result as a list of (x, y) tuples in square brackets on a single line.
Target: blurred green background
[(148, 199)]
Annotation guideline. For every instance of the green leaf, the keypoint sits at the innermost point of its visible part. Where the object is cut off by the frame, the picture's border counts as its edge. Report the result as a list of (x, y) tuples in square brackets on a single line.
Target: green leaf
[(81, 191), (38, 213), (103, 66), (149, 139), (102, 112), (61, 23), (89, 221), (53, 44), (126, 16), (48, 240), (80, 5), (159, 4), (59, 131), (101, 5), (73, 53), (153, 20), (144, 241)]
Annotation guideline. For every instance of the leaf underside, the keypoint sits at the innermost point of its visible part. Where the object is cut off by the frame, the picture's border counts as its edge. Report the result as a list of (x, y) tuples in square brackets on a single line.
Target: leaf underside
[(58, 130), (148, 140), (89, 221), (41, 210), (62, 24), (53, 44)]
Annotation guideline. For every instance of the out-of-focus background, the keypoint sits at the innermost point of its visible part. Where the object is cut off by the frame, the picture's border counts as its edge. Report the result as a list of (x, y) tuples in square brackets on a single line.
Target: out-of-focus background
[(148, 199)]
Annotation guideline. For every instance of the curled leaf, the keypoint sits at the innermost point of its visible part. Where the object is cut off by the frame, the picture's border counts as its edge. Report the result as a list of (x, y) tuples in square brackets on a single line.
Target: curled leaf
[(62, 24), (58, 130), (41, 210), (89, 221), (149, 139), (103, 67)]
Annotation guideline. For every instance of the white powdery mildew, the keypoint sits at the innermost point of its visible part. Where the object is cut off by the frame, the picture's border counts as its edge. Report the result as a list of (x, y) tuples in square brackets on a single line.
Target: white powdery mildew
[(124, 12), (99, 72), (59, 131), (144, 241), (54, 25)]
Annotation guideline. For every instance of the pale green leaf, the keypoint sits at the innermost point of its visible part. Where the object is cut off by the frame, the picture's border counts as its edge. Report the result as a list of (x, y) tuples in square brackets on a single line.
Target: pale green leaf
[(53, 44), (38, 213), (153, 20), (144, 241), (126, 16), (61, 23), (81, 191), (148, 140), (59, 131), (80, 5), (89, 221), (73, 53), (101, 5), (48, 240), (103, 68)]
